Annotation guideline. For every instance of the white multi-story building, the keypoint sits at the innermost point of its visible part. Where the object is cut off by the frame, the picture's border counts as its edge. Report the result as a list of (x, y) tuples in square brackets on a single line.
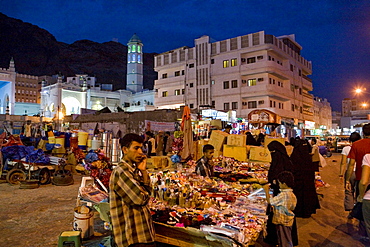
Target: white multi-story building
[(322, 117), (257, 71)]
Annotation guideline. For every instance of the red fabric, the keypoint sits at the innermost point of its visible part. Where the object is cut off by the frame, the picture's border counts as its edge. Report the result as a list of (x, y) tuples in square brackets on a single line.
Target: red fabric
[(358, 150)]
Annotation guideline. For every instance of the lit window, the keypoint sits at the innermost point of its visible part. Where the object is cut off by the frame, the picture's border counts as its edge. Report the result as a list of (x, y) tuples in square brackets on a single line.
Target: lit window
[(252, 82), (138, 48), (226, 63), (128, 59), (177, 92), (138, 58), (129, 49), (164, 94), (134, 48), (133, 57), (234, 62)]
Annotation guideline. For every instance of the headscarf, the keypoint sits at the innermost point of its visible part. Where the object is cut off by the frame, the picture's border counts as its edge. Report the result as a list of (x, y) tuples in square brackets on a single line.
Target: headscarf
[(301, 157), (280, 160), (251, 140)]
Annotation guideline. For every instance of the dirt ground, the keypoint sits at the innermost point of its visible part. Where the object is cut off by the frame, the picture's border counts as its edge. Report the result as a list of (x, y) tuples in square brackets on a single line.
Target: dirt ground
[(36, 217)]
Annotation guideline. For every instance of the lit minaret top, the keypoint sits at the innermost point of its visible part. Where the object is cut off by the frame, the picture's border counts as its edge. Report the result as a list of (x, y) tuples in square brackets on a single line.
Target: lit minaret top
[(135, 65)]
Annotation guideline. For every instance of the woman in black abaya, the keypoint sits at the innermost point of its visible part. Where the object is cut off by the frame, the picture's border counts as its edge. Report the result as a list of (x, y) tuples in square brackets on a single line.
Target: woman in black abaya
[(304, 176), (280, 162)]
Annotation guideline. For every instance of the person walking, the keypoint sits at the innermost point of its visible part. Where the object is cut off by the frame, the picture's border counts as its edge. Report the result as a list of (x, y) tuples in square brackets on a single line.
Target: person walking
[(315, 155), (364, 193), (349, 194), (129, 194), (356, 155)]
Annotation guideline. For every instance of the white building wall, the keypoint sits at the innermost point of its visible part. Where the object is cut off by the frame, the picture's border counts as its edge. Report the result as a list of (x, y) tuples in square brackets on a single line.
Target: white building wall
[(280, 74)]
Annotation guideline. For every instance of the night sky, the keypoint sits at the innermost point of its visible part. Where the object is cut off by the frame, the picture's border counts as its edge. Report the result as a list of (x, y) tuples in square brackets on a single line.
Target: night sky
[(334, 34)]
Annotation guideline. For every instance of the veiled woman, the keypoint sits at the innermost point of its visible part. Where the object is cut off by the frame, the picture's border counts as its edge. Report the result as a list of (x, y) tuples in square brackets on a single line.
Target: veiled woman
[(304, 176), (280, 162)]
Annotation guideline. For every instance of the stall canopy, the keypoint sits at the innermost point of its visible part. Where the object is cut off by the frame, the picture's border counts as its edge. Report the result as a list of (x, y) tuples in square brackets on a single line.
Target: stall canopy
[(186, 128)]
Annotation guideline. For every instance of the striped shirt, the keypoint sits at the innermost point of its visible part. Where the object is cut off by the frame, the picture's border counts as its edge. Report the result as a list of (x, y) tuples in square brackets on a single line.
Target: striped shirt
[(130, 214), (284, 204)]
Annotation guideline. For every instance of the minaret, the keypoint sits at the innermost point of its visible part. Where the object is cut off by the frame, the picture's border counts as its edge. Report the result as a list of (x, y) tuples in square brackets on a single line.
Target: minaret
[(135, 65), (11, 65)]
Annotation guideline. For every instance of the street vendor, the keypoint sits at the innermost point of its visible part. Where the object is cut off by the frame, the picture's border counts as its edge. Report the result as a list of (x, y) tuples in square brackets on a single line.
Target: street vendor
[(204, 165), (129, 195)]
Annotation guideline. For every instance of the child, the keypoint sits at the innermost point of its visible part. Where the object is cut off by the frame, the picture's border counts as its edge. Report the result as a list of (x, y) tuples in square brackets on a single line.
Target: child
[(205, 165), (283, 205)]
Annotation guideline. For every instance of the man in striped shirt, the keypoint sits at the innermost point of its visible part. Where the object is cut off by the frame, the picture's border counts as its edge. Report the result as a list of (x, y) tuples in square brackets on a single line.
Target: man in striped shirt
[(129, 194)]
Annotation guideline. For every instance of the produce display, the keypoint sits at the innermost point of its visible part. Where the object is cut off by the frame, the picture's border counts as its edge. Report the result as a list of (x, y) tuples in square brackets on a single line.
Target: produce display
[(227, 205)]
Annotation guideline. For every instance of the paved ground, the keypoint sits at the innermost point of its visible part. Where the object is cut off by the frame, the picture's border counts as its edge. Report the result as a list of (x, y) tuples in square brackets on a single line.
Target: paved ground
[(32, 218)]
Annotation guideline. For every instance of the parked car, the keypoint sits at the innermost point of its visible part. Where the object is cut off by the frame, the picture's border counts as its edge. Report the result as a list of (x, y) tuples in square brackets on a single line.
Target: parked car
[(341, 142)]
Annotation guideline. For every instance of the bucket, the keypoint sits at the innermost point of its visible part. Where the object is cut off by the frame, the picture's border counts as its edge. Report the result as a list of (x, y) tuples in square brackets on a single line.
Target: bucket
[(89, 143), (51, 139), (59, 140), (82, 138), (84, 221), (95, 144)]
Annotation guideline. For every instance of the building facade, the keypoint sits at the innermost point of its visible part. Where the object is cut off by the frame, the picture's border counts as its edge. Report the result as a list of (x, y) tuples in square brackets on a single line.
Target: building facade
[(243, 74), (7, 86)]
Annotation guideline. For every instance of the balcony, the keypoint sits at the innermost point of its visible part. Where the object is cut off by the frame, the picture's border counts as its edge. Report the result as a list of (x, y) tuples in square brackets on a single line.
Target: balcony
[(307, 99), (264, 67)]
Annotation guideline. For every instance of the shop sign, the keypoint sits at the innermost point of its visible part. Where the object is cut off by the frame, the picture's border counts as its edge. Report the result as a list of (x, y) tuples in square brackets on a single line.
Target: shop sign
[(157, 126), (17, 125), (262, 116), (309, 125)]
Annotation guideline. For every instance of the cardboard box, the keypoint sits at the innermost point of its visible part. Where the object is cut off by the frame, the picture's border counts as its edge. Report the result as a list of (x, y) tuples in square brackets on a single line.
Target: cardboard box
[(237, 140), (236, 152), (218, 139), (269, 139), (260, 154), (157, 162)]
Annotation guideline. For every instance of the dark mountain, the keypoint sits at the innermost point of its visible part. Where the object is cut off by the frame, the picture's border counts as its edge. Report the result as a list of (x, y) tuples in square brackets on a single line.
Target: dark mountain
[(37, 52)]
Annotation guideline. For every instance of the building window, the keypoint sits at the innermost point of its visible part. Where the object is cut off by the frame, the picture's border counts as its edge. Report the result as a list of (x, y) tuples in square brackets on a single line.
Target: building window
[(191, 65), (259, 57), (182, 72), (213, 82), (234, 62), (164, 94), (191, 84), (212, 61), (183, 91), (292, 87), (291, 67), (300, 109), (279, 105), (177, 92), (292, 107), (234, 83), (177, 73), (226, 63), (270, 80), (300, 90), (252, 104), (261, 102), (226, 106), (300, 72), (234, 105), (191, 105), (274, 103), (226, 84), (252, 82), (164, 76), (251, 60), (270, 103), (213, 104)]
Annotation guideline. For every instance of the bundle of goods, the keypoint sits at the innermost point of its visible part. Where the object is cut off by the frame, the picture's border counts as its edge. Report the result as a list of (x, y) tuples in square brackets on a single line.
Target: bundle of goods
[(98, 166)]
